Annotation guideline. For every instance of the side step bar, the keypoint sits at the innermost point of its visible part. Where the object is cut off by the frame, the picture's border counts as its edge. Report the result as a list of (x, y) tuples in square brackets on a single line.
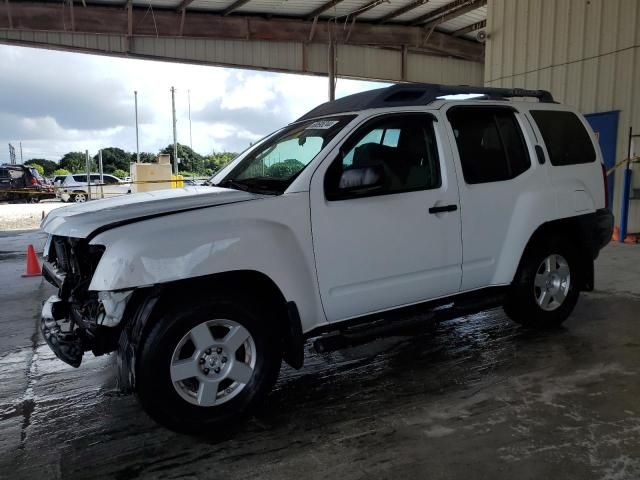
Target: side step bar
[(368, 329)]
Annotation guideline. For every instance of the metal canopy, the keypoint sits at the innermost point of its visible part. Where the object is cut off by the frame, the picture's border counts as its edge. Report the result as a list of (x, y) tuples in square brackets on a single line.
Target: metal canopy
[(423, 25)]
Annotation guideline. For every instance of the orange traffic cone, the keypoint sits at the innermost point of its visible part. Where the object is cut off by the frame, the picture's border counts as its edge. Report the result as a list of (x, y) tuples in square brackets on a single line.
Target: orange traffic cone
[(33, 267)]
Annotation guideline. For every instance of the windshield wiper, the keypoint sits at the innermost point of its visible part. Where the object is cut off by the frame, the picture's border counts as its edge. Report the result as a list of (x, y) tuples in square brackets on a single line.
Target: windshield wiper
[(234, 184), (250, 186)]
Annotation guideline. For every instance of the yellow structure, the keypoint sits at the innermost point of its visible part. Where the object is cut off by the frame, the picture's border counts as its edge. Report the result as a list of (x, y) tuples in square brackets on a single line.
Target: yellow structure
[(158, 173), (177, 181)]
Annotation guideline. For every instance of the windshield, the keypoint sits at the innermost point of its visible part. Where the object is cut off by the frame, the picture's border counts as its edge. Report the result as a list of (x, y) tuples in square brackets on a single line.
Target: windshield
[(272, 166)]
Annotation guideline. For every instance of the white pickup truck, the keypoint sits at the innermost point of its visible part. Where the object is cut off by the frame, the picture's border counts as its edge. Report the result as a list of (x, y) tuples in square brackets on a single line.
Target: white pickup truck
[(388, 201)]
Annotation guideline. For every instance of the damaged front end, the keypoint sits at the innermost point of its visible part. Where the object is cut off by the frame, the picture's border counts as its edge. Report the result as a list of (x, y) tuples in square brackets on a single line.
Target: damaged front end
[(77, 319)]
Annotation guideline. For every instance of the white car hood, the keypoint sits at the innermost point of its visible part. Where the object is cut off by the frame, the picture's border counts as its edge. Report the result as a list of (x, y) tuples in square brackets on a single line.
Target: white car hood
[(80, 220)]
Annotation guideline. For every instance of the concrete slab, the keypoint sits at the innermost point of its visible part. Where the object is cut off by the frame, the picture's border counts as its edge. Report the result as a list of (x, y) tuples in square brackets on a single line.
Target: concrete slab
[(473, 397)]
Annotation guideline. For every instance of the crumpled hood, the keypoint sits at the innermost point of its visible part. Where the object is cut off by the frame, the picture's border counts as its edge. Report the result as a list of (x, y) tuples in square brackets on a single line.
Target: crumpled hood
[(80, 220)]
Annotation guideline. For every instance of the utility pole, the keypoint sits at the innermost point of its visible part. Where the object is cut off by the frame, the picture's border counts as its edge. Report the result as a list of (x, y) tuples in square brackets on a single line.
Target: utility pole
[(21, 161), (175, 141), (101, 173), (86, 154), (332, 70), (135, 93), (190, 137), (12, 155)]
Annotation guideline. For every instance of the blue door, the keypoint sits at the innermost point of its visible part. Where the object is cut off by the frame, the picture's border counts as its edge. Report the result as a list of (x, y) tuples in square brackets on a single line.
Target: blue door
[(605, 126)]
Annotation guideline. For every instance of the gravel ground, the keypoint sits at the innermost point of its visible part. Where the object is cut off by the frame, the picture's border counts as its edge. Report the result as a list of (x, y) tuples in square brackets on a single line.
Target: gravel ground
[(23, 216)]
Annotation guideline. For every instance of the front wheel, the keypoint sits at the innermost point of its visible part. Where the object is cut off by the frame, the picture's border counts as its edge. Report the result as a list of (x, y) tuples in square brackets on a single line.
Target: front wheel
[(545, 290), (208, 365)]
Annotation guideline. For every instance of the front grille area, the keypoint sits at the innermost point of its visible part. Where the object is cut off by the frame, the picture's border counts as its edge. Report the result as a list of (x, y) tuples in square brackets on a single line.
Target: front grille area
[(61, 250), (76, 261)]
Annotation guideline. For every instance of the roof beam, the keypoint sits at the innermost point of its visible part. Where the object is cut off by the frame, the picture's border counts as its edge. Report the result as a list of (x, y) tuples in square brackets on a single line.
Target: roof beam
[(7, 6), (456, 13), (471, 28), (401, 11), (323, 8), (183, 5), (365, 8), (449, 8), (234, 6), (101, 19)]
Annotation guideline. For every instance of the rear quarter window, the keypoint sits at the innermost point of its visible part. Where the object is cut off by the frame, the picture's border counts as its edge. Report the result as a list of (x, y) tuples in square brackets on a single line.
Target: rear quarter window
[(565, 136)]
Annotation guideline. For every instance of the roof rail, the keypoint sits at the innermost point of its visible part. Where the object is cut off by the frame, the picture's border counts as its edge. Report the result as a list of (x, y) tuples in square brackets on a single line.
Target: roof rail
[(412, 94)]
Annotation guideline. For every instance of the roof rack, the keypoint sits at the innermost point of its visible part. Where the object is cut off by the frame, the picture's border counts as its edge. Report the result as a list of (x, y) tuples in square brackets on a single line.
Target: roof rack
[(411, 94)]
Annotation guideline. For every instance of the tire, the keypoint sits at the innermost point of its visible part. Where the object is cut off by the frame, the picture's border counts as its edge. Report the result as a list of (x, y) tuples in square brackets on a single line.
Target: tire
[(176, 404), (546, 288), (79, 197)]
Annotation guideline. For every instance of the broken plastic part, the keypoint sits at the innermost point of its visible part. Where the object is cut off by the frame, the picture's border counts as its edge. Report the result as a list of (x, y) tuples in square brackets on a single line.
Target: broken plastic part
[(114, 304)]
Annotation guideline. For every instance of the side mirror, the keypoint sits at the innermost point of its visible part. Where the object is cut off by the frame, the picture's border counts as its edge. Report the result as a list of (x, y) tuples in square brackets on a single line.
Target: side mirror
[(361, 181)]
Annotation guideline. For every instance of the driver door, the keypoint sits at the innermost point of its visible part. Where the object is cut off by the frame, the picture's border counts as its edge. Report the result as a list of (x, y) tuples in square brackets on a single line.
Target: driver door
[(395, 241)]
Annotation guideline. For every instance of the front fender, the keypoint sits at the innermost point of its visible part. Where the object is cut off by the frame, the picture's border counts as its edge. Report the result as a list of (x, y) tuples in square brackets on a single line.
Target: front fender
[(270, 236)]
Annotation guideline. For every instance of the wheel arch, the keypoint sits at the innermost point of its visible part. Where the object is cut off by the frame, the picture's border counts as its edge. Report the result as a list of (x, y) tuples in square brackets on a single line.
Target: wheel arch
[(572, 231), (147, 303)]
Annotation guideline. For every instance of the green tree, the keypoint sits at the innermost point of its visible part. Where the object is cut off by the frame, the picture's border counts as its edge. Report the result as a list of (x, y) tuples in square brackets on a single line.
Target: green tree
[(48, 165), (217, 161), (285, 169), (74, 162), (114, 158), (120, 173), (190, 161), (38, 167), (60, 171)]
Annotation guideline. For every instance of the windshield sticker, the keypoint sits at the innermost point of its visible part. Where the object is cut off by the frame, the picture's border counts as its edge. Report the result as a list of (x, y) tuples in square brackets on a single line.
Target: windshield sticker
[(322, 125)]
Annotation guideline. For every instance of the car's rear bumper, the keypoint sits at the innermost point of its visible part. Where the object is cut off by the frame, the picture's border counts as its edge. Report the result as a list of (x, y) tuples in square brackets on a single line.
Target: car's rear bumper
[(601, 229)]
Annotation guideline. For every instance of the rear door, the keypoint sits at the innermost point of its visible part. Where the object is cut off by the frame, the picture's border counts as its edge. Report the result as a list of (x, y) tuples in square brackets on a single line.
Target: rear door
[(395, 244), (574, 155), (500, 190), (113, 186)]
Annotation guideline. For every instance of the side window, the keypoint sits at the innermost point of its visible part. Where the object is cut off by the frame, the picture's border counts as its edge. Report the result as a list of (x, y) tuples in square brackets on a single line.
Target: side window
[(568, 142), (109, 180), (95, 178), (80, 178), (392, 154), (490, 143)]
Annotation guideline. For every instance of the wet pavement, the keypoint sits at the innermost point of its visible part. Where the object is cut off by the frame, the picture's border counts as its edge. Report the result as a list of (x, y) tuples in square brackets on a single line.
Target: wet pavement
[(473, 397)]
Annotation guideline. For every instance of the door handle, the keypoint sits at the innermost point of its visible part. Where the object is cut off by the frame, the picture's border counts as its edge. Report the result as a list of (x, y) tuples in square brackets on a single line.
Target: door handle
[(443, 209)]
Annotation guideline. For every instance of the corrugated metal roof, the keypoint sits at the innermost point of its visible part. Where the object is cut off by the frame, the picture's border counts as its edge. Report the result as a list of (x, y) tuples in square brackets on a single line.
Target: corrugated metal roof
[(302, 8)]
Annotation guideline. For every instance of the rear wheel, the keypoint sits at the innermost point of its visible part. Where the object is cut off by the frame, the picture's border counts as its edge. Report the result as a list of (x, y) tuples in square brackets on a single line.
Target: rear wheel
[(545, 290), (79, 197), (208, 365)]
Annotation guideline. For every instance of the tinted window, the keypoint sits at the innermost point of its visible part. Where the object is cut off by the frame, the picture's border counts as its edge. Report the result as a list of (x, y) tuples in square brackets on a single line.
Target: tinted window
[(568, 142), (4, 173), (490, 143), (109, 180), (400, 149), (80, 178)]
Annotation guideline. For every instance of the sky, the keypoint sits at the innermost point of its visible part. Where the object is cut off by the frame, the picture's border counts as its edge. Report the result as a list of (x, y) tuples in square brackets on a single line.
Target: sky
[(56, 102)]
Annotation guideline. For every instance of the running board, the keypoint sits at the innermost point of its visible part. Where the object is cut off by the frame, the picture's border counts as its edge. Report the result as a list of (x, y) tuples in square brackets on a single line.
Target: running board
[(405, 321)]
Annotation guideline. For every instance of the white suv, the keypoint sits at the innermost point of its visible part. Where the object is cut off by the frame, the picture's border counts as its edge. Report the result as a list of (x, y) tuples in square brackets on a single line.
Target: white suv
[(74, 188), (386, 202)]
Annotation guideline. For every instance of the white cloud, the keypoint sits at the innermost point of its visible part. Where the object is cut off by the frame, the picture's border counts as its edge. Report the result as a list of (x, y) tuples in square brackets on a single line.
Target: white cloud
[(55, 102)]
